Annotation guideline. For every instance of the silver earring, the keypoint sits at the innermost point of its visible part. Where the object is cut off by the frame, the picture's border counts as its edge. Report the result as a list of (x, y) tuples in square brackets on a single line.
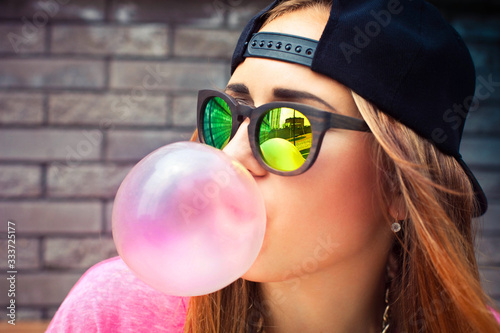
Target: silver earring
[(396, 227)]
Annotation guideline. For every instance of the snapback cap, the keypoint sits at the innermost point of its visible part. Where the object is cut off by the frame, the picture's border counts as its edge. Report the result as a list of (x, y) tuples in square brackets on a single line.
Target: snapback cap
[(401, 55)]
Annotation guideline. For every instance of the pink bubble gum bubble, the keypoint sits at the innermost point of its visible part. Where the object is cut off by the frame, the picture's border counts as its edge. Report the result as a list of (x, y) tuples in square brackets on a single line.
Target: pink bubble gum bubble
[(188, 220)]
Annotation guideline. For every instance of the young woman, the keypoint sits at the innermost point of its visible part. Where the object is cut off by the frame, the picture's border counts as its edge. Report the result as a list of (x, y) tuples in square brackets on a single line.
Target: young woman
[(369, 204)]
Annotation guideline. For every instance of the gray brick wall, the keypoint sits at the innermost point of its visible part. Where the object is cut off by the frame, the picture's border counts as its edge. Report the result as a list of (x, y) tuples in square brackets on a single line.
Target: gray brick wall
[(88, 87)]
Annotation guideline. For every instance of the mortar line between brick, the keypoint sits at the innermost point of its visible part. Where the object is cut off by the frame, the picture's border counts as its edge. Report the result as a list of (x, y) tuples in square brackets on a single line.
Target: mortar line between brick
[(104, 145), (169, 104), (104, 204), (41, 252), (52, 200), (43, 180), (48, 38), (107, 11), (45, 110), (81, 56), (95, 59), (225, 20), (107, 73), (171, 29), (75, 128)]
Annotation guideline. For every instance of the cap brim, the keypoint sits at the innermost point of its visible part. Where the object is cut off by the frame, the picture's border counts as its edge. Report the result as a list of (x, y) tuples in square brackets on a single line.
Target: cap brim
[(478, 191)]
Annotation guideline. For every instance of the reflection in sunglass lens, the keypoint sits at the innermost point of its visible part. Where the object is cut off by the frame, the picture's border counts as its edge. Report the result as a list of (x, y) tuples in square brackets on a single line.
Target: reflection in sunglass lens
[(285, 138), (217, 123)]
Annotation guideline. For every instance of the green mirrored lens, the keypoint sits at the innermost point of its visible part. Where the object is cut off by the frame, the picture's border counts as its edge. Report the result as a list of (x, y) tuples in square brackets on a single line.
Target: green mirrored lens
[(285, 138), (217, 123)]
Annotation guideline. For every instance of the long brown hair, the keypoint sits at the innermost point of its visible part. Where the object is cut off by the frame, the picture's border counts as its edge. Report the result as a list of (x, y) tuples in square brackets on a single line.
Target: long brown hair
[(435, 286)]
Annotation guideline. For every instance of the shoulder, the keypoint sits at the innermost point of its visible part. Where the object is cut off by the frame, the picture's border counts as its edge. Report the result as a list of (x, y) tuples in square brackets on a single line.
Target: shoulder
[(109, 297)]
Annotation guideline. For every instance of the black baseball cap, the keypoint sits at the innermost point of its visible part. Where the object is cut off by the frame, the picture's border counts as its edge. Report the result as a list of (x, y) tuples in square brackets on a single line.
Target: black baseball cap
[(401, 55)]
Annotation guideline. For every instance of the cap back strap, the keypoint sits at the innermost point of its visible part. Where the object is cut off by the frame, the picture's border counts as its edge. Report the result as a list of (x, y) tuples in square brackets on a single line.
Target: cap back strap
[(282, 47)]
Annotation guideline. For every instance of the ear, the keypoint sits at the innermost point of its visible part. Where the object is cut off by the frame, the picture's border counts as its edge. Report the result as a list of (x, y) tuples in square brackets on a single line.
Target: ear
[(397, 209)]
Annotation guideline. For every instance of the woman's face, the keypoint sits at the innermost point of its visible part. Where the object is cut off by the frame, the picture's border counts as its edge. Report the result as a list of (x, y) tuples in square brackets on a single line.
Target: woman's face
[(328, 218)]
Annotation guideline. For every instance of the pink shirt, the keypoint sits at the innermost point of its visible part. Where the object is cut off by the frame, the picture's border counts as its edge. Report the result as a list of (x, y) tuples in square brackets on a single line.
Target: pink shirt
[(110, 298)]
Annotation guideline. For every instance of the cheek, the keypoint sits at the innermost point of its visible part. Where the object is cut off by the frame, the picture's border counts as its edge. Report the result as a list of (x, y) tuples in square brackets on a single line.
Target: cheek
[(347, 199), (350, 205), (329, 209), (345, 178)]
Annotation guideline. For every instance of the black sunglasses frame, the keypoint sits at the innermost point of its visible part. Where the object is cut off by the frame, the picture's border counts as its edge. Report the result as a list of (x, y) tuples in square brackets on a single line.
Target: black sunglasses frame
[(321, 121)]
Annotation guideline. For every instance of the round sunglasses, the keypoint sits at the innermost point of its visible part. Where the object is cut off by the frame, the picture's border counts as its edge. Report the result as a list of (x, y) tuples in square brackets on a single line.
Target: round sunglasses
[(285, 137)]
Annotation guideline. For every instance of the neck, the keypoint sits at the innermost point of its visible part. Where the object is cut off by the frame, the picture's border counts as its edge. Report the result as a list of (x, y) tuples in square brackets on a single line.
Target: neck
[(352, 301)]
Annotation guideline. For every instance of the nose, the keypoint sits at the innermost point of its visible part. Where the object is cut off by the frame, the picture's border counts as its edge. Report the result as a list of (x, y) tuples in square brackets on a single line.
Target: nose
[(239, 149)]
